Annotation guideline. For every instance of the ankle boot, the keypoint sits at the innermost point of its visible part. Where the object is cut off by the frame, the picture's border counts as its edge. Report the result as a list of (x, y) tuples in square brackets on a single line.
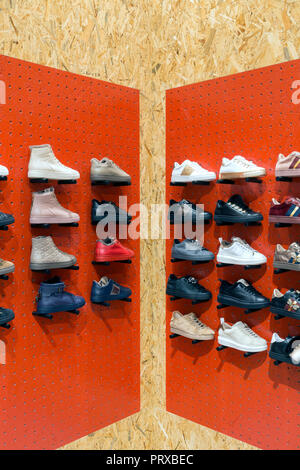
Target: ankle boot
[(46, 209), (44, 164), (46, 255), (53, 298)]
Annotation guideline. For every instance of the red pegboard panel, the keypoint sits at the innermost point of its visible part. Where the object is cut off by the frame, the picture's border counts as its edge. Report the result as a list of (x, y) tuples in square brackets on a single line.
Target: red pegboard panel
[(75, 374), (249, 114)]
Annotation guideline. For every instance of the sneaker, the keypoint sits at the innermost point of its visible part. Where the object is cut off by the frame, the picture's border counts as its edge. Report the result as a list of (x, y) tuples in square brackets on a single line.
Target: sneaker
[(239, 252), (239, 167), (107, 289), (6, 315), (295, 246), (3, 170), (240, 336), (109, 212), (190, 249), (46, 209), (46, 255), (286, 305), (288, 166), (235, 211), (44, 164), (190, 326), (188, 172), (285, 350), (186, 211), (286, 212), (286, 259), (6, 219), (187, 287), (241, 294), (107, 170), (6, 267), (111, 249)]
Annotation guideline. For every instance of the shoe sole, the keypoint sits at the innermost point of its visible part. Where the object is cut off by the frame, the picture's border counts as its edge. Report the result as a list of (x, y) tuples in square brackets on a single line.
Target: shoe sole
[(285, 313), (190, 336), (290, 173), (96, 300), (113, 179), (65, 309), (227, 300), (244, 174), (112, 258), (182, 219), (204, 297), (53, 220), (240, 347), (193, 258), (50, 175), (7, 270), (42, 266), (289, 266), (238, 219), (284, 219), (281, 358), (187, 179), (96, 220), (225, 260), (6, 318)]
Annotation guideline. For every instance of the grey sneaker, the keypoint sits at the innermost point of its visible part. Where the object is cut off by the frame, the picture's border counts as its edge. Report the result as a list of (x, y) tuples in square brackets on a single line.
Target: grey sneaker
[(107, 170), (46, 255), (286, 259), (190, 250)]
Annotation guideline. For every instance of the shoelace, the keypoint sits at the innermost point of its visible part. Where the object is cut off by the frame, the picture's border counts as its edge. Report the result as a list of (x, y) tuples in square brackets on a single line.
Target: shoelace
[(249, 288), (243, 244), (196, 242), (195, 319), (236, 207), (248, 330), (245, 162)]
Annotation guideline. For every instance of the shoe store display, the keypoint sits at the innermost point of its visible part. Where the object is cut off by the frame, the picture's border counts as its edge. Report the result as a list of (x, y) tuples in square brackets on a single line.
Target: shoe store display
[(189, 171), (240, 336), (235, 211), (288, 166), (111, 249), (46, 209), (241, 294), (239, 167), (187, 287), (6, 219), (6, 267), (106, 170), (285, 350), (186, 211), (52, 298), (286, 305), (46, 255), (286, 212), (44, 164), (109, 212), (191, 250), (6, 316), (286, 259), (107, 289), (239, 252), (190, 326)]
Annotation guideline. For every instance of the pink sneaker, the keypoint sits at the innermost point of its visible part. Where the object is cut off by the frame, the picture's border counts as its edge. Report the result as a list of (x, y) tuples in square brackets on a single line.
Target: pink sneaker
[(288, 166)]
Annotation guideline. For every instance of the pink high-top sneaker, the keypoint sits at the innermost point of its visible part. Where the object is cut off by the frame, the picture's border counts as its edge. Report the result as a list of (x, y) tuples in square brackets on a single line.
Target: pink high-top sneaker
[(46, 209)]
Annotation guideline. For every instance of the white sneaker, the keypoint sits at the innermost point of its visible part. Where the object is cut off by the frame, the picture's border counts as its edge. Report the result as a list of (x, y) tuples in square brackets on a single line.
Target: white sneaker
[(239, 167), (295, 354), (44, 164), (3, 170), (240, 336), (190, 171), (239, 252)]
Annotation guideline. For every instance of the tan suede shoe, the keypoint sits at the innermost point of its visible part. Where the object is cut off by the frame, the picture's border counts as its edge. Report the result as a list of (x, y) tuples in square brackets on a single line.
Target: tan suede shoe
[(6, 267), (190, 326)]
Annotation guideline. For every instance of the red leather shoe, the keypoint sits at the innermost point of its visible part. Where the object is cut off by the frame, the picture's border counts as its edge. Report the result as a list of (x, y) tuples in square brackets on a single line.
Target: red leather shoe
[(111, 250)]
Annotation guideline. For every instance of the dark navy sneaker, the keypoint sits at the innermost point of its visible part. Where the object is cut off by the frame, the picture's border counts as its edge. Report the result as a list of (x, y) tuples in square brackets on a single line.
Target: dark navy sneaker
[(6, 219), (53, 298), (241, 294), (187, 287), (286, 305), (109, 212), (107, 289), (235, 211), (283, 350), (6, 315), (190, 249), (186, 211)]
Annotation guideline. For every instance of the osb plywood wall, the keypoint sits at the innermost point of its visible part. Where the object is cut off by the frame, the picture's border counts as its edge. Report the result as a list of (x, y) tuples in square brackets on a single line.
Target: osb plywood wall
[(152, 45)]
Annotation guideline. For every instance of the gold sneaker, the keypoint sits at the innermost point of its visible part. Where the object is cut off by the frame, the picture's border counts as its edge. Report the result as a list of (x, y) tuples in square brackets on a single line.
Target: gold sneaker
[(6, 267), (190, 326)]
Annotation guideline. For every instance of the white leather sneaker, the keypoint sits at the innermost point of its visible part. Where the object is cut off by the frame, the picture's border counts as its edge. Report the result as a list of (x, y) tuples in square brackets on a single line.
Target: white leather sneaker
[(239, 167), (240, 336), (44, 164), (239, 252), (188, 171)]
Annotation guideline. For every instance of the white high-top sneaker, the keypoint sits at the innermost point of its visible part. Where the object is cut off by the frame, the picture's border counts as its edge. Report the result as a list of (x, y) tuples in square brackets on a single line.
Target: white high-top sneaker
[(239, 167), (190, 171), (44, 164), (240, 336), (239, 252)]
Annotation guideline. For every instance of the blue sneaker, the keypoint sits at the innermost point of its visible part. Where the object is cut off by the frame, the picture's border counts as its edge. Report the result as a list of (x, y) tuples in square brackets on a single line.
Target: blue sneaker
[(107, 289)]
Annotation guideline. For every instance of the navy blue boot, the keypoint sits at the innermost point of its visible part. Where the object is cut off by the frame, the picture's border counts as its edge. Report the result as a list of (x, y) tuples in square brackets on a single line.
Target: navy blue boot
[(107, 289), (52, 298), (6, 316)]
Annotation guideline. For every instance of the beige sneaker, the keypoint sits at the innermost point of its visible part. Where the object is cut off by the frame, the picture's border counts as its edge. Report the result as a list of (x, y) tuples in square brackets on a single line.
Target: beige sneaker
[(6, 267), (190, 326), (107, 170)]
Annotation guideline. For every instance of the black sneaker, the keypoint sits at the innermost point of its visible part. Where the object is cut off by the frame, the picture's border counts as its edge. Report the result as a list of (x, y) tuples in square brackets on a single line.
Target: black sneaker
[(235, 211), (187, 287), (190, 249), (109, 212), (6, 219), (6, 315), (281, 349), (241, 294), (286, 305), (186, 211)]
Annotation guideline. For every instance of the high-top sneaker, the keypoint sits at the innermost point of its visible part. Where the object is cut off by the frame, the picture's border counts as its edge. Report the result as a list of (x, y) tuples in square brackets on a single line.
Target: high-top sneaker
[(53, 298), (46, 255), (107, 289), (111, 249), (44, 164), (107, 170), (46, 209)]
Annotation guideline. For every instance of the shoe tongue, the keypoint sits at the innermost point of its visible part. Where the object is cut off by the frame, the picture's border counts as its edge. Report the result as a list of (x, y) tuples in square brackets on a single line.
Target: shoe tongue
[(103, 281), (235, 199), (243, 281)]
